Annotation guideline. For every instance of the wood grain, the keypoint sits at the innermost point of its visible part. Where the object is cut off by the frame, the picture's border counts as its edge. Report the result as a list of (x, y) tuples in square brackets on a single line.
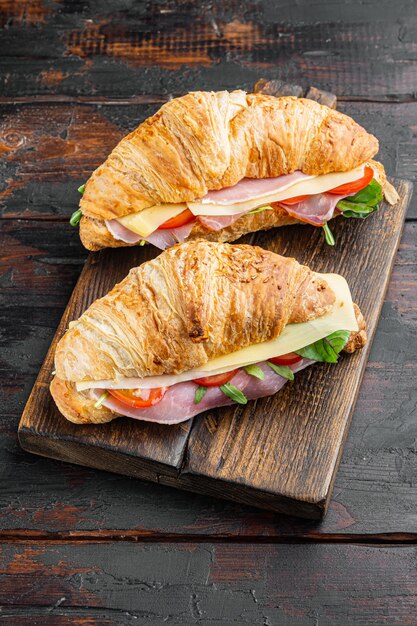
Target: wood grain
[(280, 452), (349, 48), (152, 584), (279, 88)]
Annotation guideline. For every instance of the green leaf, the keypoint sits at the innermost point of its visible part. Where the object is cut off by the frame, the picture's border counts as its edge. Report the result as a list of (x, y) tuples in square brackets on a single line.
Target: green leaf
[(261, 209), (200, 392), (142, 242), (328, 235), (356, 210), (360, 211), (234, 393), (326, 350), (363, 203), (81, 188), (282, 370), (254, 370), (371, 194), (101, 399), (75, 217)]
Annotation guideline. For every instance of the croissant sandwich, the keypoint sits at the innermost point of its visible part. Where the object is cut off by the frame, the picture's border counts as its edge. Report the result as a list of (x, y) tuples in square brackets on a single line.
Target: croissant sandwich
[(201, 326), (218, 165)]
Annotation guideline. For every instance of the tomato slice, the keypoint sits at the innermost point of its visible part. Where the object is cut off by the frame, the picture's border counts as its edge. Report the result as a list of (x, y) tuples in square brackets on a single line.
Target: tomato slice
[(354, 186), (179, 220), (127, 397), (217, 380), (294, 200), (286, 359)]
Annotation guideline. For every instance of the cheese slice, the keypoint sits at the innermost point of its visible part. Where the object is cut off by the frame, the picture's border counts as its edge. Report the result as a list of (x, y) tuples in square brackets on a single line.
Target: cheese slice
[(310, 186), (294, 336), (148, 220)]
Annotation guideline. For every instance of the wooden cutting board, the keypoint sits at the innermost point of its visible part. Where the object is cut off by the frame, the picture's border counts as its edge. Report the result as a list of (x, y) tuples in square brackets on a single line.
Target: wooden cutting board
[(279, 453)]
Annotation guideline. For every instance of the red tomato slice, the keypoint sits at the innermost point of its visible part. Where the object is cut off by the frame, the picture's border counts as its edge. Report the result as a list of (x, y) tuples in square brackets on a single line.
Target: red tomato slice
[(216, 381), (127, 397), (356, 185), (286, 359), (294, 200), (179, 220)]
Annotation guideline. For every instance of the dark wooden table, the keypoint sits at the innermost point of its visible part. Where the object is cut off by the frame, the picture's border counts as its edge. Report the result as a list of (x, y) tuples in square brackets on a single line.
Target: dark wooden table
[(84, 547)]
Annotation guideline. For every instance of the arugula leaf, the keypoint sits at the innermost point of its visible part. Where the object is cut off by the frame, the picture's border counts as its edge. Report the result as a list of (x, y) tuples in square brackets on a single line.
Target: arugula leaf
[(101, 399), (371, 194), (81, 188), (363, 203), (356, 210), (328, 234), (260, 209), (75, 217), (327, 349), (200, 392), (234, 393), (282, 370), (254, 370)]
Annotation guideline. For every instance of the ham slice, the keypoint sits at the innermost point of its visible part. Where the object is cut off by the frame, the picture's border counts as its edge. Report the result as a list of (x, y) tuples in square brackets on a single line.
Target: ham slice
[(249, 188), (217, 222), (162, 238), (122, 233), (178, 403), (316, 210)]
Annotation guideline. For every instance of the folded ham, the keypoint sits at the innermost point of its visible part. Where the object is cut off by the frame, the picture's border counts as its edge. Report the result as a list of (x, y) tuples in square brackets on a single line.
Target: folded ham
[(161, 238), (316, 210), (249, 188), (178, 403), (122, 233), (217, 222)]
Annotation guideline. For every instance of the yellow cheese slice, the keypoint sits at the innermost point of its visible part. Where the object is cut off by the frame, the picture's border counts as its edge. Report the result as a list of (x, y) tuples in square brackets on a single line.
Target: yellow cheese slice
[(293, 337), (148, 220), (314, 185)]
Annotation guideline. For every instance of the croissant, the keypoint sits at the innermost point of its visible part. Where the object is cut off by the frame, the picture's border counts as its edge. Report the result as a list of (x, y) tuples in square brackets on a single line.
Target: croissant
[(207, 141), (194, 303)]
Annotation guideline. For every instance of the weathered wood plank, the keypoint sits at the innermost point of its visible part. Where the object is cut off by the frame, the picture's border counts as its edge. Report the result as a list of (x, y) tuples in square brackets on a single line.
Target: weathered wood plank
[(206, 584), (49, 150), (89, 48), (323, 97), (278, 88)]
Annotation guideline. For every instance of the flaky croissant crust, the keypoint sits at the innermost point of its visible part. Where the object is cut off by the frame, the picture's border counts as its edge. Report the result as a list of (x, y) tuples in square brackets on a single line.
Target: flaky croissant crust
[(210, 140), (192, 303)]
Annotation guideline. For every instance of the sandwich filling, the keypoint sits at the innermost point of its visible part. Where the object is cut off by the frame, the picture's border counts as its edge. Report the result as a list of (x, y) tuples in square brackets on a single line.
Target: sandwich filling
[(311, 199), (253, 372)]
